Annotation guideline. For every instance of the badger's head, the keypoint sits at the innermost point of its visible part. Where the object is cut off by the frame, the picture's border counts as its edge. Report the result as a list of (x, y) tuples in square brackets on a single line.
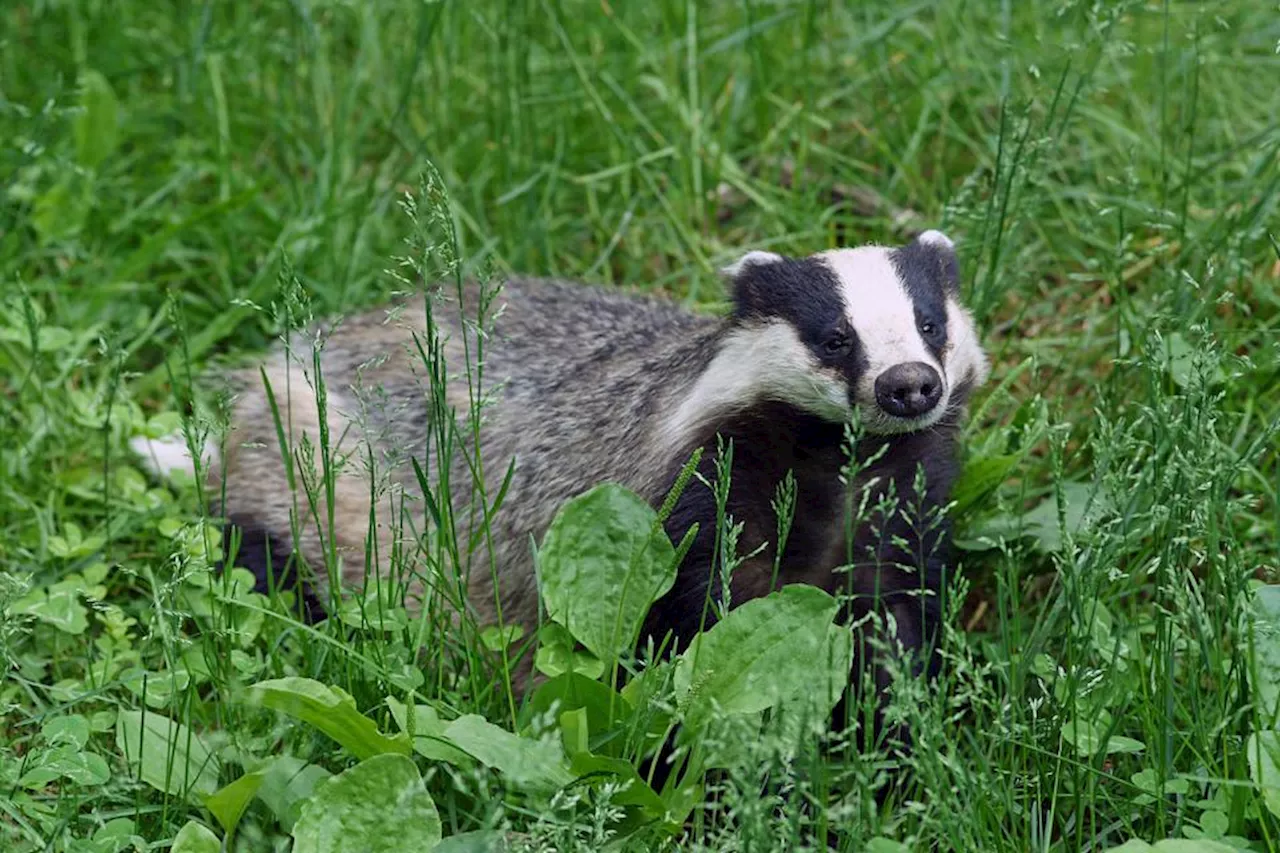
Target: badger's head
[(876, 328)]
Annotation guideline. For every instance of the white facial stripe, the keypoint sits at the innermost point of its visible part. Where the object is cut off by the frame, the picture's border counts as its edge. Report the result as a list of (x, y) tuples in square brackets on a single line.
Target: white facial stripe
[(762, 362), (881, 313), (966, 359)]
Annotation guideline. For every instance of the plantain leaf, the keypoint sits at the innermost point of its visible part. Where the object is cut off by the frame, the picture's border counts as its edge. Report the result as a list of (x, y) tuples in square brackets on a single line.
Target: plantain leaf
[(331, 711), (603, 562), (1264, 673), (287, 786), (429, 739), (195, 838), (166, 755), (1264, 766), (748, 661), (229, 802), (981, 477), (535, 765), (378, 806)]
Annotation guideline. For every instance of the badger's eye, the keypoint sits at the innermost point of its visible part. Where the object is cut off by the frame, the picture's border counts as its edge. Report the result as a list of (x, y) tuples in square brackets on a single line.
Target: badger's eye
[(928, 329), (836, 345)]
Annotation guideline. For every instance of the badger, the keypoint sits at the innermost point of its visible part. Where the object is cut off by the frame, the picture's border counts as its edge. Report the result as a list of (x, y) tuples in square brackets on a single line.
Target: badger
[(593, 385)]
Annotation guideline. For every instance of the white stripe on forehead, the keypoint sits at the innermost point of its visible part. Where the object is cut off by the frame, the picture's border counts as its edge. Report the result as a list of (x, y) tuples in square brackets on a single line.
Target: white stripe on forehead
[(879, 308)]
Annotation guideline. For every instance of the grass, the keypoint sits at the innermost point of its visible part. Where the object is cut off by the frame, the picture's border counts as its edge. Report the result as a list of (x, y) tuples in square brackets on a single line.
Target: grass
[(1109, 171)]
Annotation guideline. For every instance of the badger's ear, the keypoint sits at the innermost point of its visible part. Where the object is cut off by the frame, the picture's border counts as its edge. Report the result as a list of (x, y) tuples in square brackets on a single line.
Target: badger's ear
[(937, 240), (746, 279), (750, 259), (934, 253)]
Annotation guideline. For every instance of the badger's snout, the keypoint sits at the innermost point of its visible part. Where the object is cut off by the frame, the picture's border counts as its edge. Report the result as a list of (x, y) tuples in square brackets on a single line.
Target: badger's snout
[(908, 390)]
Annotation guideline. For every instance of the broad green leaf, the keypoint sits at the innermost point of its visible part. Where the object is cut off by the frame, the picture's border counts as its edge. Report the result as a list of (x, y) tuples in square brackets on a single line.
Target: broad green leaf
[(684, 797), (535, 765), (1118, 743), (1147, 781), (797, 714), (1041, 523), (170, 526), (1098, 622), (981, 477), (1264, 672), (157, 689), (428, 733), (603, 562), (496, 638), (838, 653), (1090, 739), (97, 127), (525, 763), (331, 711), (575, 734), (162, 425), (228, 803), (1264, 766), (66, 762), (558, 660), (166, 755), (195, 838), (71, 730), (636, 792), (606, 709), (287, 786), (748, 661), (103, 721), (1214, 823), (1090, 736), (372, 615), (118, 835), (379, 805), (61, 609)]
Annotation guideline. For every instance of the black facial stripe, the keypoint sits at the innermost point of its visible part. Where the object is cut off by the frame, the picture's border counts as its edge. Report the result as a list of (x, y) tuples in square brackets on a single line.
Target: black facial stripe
[(929, 274), (803, 292), (806, 293), (927, 268), (937, 341)]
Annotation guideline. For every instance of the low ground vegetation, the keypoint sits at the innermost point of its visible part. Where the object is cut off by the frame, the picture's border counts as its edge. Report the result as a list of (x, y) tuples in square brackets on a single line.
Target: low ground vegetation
[(185, 183)]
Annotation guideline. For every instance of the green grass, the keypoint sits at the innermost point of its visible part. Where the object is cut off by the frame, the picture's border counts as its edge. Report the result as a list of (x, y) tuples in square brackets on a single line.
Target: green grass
[(1110, 173)]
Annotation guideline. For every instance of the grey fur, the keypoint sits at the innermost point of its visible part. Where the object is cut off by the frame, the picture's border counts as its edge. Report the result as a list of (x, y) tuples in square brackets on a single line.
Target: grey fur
[(578, 374), (582, 384)]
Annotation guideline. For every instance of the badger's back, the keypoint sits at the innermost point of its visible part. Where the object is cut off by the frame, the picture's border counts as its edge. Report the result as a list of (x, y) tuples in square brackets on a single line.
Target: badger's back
[(571, 379)]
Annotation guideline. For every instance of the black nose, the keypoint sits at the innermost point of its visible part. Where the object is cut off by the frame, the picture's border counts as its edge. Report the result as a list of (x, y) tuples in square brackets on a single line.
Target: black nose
[(909, 390)]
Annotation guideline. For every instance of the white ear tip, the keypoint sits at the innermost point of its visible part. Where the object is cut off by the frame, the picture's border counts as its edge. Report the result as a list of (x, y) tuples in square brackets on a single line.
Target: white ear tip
[(752, 258), (936, 238)]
